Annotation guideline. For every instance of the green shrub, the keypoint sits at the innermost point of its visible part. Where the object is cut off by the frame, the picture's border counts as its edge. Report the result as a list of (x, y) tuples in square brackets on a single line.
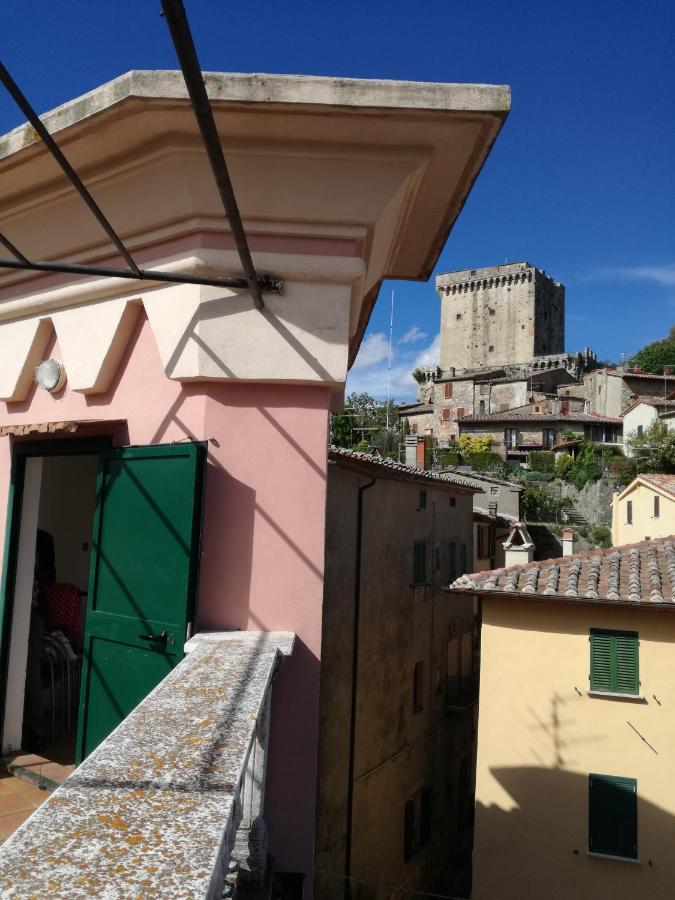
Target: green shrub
[(481, 462), (623, 469), (445, 458), (541, 461), (537, 476), (538, 504), (564, 466), (590, 472), (601, 535)]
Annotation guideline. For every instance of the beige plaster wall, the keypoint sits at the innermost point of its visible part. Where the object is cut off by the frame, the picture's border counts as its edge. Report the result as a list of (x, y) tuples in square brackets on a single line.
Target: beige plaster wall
[(540, 736), (644, 524)]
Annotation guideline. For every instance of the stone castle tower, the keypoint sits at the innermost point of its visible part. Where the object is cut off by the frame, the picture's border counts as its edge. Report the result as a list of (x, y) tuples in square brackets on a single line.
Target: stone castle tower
[(499, 315)]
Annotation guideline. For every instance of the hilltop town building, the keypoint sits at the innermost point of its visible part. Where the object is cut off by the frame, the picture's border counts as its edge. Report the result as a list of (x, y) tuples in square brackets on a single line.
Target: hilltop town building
[(499, 315), (502, 346)]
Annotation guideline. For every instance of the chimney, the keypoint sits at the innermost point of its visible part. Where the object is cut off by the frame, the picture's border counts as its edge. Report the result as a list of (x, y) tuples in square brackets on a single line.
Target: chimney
[(411, 450), (568, 541), (492, 507), (519, 546)]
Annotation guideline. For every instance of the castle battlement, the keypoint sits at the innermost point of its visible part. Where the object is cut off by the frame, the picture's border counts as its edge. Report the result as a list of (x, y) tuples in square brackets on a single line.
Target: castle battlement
[(494, 315)]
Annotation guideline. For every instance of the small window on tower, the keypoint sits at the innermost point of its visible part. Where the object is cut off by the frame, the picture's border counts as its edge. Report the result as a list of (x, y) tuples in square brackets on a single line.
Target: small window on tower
[(459, 316), (491, 348)]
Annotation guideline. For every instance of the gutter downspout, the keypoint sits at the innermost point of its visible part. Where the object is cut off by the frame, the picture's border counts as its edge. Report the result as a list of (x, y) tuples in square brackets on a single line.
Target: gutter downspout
[(355, 668)]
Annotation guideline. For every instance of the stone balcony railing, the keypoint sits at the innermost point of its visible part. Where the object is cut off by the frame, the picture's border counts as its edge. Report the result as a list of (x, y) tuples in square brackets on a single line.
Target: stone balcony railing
[(157, 809)]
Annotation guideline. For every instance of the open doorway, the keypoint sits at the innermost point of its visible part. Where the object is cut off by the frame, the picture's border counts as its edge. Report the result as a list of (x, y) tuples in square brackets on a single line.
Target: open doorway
[(49, 609), (100, 589)]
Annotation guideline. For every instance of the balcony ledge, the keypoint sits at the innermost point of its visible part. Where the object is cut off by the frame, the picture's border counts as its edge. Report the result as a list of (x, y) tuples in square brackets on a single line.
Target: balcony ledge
[(153, 811)]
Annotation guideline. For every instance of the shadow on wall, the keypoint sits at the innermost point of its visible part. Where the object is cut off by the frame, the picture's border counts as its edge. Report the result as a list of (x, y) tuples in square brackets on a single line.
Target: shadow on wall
[(539, 848)]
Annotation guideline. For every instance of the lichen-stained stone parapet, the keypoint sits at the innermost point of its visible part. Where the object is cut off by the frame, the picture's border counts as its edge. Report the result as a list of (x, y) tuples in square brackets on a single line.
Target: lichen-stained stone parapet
[(92, 340), (22, 344), (153, 811)]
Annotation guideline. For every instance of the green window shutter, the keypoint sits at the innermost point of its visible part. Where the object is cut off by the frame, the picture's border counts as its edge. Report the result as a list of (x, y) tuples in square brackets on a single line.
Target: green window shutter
[(627, 674), (612, 816), (601, 661), (614, 661), (419, 563)]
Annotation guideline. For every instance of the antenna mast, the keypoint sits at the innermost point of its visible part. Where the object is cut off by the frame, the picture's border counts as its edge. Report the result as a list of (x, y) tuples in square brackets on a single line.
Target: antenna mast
[(391, 331)]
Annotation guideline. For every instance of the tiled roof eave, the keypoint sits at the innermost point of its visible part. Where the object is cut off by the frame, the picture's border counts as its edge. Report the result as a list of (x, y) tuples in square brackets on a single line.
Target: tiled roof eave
[(666, 605)]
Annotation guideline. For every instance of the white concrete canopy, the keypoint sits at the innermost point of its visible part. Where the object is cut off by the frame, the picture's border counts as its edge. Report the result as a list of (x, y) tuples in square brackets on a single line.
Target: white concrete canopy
[(340, 182)]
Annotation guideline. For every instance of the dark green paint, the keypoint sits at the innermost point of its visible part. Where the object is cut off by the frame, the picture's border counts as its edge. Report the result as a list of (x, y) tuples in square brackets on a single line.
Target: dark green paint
[(142, 579), (614, 661), (612, 816)]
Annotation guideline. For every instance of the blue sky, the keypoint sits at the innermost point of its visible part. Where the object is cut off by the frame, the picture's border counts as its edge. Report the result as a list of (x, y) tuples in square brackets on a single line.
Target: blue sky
[(581, 182)]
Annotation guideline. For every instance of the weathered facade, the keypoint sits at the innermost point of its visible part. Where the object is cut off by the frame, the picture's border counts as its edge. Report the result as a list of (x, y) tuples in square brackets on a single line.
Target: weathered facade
[(575, 740), (610, 391), (499, 315), (397, 682), (516, 432)]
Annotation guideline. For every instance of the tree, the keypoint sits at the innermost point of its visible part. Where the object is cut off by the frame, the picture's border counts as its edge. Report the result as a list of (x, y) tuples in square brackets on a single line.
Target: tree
[(479, 443), (653, 357), (363, 425), (654, 448)]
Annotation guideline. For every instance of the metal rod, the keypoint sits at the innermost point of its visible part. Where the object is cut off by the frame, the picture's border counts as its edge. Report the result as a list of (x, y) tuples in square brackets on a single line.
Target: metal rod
[(71, 174), (12, 249), (174, 12), (268, 285)]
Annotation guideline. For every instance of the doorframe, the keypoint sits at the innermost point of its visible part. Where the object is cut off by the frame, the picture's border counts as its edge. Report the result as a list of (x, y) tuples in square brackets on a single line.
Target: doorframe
[(20, 452)]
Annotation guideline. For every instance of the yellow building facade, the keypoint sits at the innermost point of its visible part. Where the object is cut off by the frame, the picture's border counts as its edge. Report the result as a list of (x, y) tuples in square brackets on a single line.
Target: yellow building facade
[(575, 784), (644, 510)]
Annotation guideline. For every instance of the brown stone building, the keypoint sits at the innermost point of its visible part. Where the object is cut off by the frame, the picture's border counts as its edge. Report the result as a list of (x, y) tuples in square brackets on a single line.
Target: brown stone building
[(500, 315), (398, 683), (516, 432)]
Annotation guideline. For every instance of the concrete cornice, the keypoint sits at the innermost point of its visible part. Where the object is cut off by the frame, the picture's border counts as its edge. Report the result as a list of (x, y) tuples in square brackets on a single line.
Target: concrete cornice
[(294, 90)]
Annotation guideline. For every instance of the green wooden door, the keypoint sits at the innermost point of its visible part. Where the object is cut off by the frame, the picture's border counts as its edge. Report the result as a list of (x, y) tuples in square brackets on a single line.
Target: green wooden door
[(142, 580)]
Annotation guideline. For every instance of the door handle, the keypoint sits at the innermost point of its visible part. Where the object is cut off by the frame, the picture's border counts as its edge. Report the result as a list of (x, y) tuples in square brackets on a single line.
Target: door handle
[(155, 638)]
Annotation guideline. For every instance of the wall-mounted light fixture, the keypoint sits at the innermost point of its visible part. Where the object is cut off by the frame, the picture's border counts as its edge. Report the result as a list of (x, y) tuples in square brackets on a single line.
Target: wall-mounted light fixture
[(50, 375)]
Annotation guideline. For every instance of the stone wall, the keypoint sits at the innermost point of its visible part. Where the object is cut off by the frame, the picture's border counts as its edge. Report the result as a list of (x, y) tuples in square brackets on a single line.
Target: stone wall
[(593, 501), (499, 314)]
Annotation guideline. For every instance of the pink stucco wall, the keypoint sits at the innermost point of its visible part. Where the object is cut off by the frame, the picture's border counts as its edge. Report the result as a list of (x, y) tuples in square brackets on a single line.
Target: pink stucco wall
[(263, 540)]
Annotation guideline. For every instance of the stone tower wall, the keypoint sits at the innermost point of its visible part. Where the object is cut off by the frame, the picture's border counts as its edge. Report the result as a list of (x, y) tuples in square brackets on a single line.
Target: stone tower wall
[(499, 315)]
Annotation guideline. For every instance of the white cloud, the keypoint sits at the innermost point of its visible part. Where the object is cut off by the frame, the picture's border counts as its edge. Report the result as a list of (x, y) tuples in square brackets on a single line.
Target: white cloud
[(412, 335), (429, 356), (372, 378), (662, 275), (374, 348)]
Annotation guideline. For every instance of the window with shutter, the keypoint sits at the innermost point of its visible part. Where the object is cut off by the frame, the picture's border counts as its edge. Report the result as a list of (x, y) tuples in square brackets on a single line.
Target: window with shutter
[(452, 562), (656, 506), (460, 412), (445, 415), (419, 563), (614, 661), (629, 512), (418, 687), (612, 816), (447, 390)]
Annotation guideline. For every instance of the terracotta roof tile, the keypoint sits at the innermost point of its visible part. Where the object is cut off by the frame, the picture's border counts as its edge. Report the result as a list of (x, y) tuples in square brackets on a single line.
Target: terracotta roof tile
[(641, 573), (385, 466), (662, 480)]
